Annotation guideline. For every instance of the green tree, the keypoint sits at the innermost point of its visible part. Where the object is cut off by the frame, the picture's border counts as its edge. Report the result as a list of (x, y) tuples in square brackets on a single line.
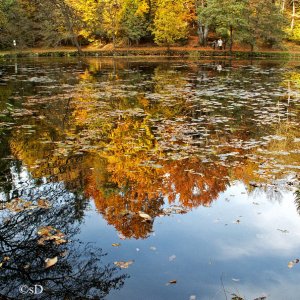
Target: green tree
[(226, 16), (202, 22), (266, 23), (16, 23), (134, 23), (3, 19)]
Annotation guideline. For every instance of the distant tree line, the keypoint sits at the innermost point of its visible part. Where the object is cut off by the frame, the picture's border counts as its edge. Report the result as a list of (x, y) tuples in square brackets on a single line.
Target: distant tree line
[(40, 23)]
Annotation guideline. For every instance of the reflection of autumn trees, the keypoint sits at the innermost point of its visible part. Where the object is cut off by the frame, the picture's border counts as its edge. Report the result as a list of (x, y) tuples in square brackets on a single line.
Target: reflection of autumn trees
[(134, 184), (195, 182), (127, 177), (131, 145)]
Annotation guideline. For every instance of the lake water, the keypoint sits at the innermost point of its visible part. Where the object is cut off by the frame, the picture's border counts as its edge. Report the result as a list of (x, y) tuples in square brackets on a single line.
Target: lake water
[(149, 179)]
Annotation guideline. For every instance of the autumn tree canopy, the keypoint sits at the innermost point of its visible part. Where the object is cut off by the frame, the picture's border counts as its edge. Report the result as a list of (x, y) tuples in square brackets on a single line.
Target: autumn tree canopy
[(164, 22)]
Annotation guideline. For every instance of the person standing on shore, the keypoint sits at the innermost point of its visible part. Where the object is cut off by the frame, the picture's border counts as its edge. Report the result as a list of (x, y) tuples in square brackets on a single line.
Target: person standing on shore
[(220, 44)]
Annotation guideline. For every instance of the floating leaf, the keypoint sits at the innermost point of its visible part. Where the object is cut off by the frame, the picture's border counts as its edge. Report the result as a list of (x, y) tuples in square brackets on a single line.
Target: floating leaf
[(124, 264), (236, 297), (293, 262), (49, 262), (43, 204), (18, 205), (172, 282), (145, 216), (48, 233), (116, 245)]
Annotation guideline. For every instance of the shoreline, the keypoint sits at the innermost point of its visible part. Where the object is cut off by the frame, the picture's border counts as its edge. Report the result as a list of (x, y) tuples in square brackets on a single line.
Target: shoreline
[(148, 52)]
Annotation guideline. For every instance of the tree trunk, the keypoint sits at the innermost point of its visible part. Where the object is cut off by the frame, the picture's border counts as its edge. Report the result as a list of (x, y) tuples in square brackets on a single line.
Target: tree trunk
[(77, 45), (231, 38), (202, 27), (69, 23), (283, 5), (205, 34), (114, 41), (293, 15), (202, 33)]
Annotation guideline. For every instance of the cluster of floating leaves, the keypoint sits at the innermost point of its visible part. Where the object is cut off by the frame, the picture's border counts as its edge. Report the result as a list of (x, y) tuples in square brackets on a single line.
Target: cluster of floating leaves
[(19, 205), (123, 264), (46, 234), (50, 234)]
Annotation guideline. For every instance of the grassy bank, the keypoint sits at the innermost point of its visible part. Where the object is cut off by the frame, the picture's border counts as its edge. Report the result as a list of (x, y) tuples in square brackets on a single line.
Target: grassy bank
[(173, 52)]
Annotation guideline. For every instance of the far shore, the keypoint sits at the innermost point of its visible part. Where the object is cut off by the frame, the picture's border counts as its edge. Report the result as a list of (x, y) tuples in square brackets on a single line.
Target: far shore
[(189, 52)]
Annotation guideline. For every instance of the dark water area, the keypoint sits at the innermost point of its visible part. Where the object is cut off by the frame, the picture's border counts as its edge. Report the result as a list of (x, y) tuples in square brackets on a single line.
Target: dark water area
[(149, 179)]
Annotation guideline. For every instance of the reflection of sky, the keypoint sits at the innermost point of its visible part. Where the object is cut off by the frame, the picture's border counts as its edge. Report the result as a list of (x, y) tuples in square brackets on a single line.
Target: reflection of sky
[(251, 255), (27, 188)]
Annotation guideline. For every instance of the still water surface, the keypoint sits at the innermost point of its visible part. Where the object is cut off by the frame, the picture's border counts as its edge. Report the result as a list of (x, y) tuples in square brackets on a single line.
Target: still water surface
[(150, 179)]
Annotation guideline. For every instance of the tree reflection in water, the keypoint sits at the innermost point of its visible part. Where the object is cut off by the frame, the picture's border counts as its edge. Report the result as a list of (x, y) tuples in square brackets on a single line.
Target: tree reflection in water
[(136, 138), (297, 199), (79, 273)]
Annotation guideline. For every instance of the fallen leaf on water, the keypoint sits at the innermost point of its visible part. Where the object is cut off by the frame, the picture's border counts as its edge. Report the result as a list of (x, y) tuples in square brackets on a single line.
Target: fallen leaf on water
[(49, 233), (116, 245), (145, 216), (49, 262), (172, 282), (192, 297), (18, 205), (293, 262), (43, 204), (152, 248), (235, 279), (123, 264), (236, 297), (45, 230)]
